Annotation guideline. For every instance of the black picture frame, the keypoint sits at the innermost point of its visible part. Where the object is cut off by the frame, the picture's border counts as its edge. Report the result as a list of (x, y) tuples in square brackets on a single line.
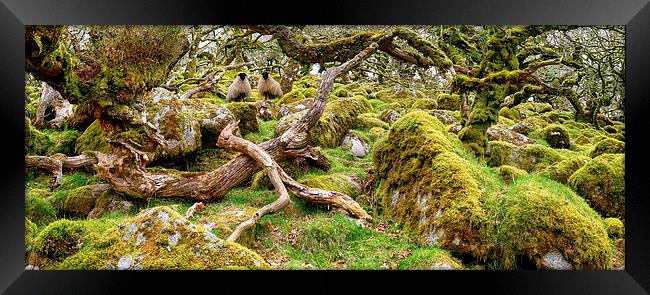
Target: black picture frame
[(15, 14)]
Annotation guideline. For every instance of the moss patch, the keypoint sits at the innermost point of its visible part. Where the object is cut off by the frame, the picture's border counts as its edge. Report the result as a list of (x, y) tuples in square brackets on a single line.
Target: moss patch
[(541, 216), (426, 187), (602, 182), (608, 146)]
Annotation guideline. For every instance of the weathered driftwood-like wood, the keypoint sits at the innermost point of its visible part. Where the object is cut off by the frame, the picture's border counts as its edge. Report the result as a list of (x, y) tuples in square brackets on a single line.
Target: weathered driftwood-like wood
[(56, 163), (227, 139), (279, 178), (215, 184)]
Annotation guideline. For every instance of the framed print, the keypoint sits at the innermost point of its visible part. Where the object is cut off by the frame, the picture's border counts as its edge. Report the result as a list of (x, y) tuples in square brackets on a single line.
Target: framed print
[(175, 144)]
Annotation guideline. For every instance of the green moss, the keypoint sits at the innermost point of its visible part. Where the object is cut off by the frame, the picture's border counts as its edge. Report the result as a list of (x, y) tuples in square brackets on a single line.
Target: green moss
[(602, 183), (327, 234), (60, 239), (375, 133), (369, 120), (528, 109), (431, 258), (531, 157), (507, 113), (247, 116), (608, 146), (337, 182), (449, 101), (293, 96), (338, 117), (31, 230), (79, 201), (92, 139), (615, 228), (510, 173), (556, 116), (159, 238), (310, 92), (36, 142), (425, 104), (426, 187), (556, 136), (39, 210), (561, 171), (540, 216)]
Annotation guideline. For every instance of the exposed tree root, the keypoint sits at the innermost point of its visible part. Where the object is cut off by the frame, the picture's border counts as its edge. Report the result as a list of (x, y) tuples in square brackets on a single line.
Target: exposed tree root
[(279, 178)]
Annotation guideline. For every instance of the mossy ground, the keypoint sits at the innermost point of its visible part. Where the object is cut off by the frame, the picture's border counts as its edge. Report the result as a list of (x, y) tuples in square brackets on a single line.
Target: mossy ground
[(516, 203)]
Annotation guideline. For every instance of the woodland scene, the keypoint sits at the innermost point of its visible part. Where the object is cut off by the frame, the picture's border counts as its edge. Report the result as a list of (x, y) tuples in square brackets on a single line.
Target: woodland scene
[(457, 147)]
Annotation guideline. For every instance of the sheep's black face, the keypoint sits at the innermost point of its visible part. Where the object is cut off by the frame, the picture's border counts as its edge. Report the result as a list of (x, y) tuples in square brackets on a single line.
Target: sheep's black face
[(242, 76), (265, 75)]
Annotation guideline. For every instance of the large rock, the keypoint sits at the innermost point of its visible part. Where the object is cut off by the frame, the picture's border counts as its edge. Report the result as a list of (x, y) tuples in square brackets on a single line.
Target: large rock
[(531, 157), (160, 238), (608, 146), (496, 133), (602, 182), (550, 225), (94, 201), (428, 188), (356, 144), (556, 136)]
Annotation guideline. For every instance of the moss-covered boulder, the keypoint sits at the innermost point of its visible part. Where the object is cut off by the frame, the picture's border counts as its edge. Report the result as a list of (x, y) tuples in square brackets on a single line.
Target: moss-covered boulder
[(31, 230), (293, 96), (615, 228), (389, 116), (356, 143), (425, 104), (449, 101), (506, 112), (60, 239), (499, 133), (38, 210), (558, 117), (556, 136), (532, 157), (562, 170), (337, 182), (528, 109), (510, 173), (431, 259), (428, 188), (550, 225), (92, 139), (160, 238), (246, 113), (369, 120), (80, 201), (338, 117), (446, 117), (297, 106), (602, 182), (608, 146)]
